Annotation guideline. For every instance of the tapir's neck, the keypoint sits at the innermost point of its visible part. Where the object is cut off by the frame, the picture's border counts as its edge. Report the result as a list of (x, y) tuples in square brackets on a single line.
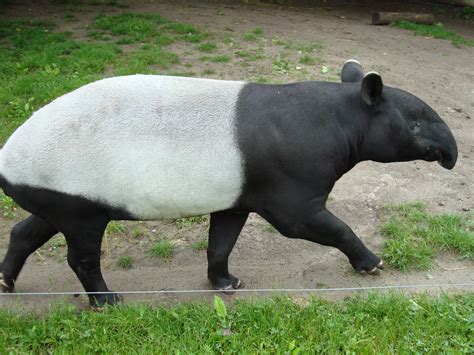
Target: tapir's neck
[(351, 133)]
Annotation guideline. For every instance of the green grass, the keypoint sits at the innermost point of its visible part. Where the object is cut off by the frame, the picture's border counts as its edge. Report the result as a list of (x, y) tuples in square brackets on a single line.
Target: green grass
[(9, 208), (282, 66), (138, 232), (307, 59), (186, 222), (436, 30), (162, 249), (414, 237), (115, 227), (125, 262), (376, 324), (269, 228), (253, 35), (208, 71), (207, 47), (38, 64), (252, 54), (466, 13), (200, 245), (222, 58)]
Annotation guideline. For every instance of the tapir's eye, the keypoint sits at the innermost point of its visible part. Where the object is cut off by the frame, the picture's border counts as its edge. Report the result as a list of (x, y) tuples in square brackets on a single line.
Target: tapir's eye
[(414, 126)]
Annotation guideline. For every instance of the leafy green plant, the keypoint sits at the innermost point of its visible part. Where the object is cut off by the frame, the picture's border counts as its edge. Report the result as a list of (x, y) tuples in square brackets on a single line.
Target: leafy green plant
[(414, 237), (9, 207)]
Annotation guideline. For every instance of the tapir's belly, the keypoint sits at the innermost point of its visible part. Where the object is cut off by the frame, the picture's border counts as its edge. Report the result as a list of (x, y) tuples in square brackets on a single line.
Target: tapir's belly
[(157, 147)]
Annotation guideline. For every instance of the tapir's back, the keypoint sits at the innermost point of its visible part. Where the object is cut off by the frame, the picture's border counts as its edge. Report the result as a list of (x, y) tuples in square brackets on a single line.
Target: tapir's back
[(155, 146)]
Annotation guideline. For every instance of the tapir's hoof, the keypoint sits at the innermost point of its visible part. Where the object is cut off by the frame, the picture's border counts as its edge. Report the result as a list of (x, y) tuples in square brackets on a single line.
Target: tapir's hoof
[(373, 271), (5, 287), (230, 289)]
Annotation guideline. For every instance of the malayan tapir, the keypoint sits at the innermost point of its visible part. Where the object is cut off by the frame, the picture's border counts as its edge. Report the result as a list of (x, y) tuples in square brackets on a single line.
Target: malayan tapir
[(147, 147)]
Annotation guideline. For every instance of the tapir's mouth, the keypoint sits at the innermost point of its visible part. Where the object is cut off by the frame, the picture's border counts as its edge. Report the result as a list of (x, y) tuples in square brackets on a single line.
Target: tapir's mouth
[(443, 158)]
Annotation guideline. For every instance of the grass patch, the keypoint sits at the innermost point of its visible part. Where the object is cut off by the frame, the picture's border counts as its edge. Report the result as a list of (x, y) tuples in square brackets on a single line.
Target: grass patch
[(38, 64), (186, 222), (307, 59), (281, 66), (269, 228), (125, 262), (376, 324), (436, 30), (162, 249), (8, 206), (466, 13), (208, 71), (415, 237), (138, 232), (215, 59), (253, 35), (200, 245), (207, 47), (301, 47), (252, 55), (115, 227)]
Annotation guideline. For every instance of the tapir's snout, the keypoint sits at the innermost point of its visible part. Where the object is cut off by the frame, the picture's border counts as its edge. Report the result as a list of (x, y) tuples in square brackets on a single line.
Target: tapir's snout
[(444, 149)]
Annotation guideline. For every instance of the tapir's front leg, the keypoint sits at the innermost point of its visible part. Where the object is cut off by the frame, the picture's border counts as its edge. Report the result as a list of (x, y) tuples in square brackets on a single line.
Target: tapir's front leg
[(224, 229), (324, 228)]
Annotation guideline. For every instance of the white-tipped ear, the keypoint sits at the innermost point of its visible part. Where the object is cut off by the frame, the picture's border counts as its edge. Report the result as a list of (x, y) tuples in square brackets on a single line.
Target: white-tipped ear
[(351, 61), (371, 88)]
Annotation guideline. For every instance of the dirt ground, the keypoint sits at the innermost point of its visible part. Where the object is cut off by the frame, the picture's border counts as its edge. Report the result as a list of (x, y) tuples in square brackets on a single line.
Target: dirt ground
[(434, 70)]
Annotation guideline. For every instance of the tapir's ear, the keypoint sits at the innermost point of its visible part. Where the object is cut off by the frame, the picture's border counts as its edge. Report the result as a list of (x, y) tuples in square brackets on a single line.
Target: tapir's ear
[(371, 88)]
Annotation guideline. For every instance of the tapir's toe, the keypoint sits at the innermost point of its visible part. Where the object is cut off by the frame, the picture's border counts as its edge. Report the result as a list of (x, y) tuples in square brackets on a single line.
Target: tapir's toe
[(229, 289), (373, 271), (5, 287)]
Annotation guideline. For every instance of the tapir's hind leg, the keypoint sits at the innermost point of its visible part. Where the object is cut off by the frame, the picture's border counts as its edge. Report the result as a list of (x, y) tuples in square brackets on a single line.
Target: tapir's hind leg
[(224, 229), (84, 239), (325, 228), (26, 237)]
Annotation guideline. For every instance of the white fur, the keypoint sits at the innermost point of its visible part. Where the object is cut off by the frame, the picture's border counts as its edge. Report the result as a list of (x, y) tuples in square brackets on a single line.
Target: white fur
[(160, 147), (371, 72), (351, 60)]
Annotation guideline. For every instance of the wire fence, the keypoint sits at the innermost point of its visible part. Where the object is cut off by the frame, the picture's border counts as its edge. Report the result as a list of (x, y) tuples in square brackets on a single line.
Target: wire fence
[(243, 290)]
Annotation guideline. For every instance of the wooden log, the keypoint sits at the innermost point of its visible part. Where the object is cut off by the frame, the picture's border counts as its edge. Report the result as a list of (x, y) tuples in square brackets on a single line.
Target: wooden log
[(386, 18)]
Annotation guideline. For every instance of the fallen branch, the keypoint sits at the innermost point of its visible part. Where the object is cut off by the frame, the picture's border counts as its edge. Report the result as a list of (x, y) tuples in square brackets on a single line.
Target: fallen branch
[(386, 18)]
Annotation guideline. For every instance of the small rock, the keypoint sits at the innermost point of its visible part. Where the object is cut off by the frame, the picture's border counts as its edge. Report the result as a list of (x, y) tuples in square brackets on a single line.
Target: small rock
[(457, 109), (466, 209), (440, 203), (226, 332), (429, 277), (153, 230)]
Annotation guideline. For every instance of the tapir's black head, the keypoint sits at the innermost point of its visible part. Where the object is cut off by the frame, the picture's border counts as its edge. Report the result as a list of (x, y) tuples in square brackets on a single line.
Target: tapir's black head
[(401, 127)]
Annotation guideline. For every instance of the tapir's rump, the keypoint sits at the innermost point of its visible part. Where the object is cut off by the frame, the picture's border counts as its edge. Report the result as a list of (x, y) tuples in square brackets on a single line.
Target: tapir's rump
[(155, 146)]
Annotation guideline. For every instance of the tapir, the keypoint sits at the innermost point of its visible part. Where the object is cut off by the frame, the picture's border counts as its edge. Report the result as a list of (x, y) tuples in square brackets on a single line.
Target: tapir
[(148, 147)]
